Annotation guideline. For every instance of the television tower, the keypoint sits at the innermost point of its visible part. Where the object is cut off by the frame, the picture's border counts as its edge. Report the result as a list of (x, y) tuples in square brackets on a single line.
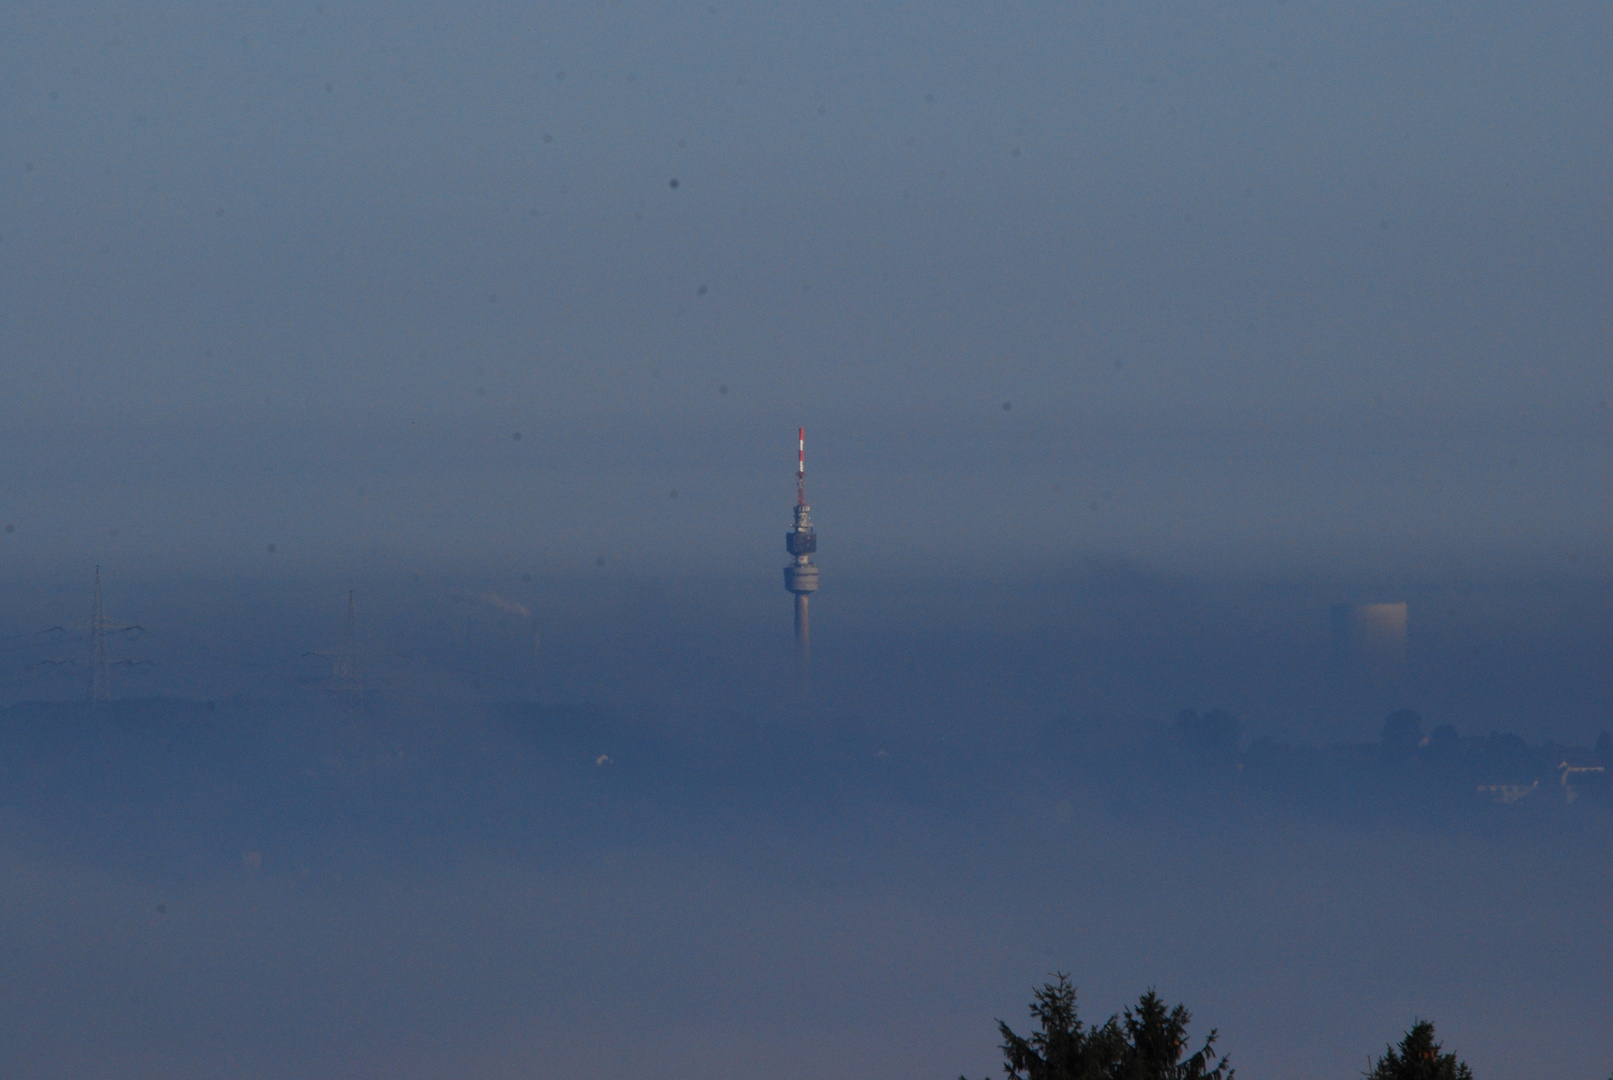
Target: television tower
[(801, 576)]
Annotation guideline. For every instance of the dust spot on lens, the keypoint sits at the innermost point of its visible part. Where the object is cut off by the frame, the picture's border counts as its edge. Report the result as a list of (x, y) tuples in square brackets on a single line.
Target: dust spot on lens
[(600, 561), (700, 291), (673, 494), (162, 909), (272, 549), (516, 436), (1008, 406), (672, 183)]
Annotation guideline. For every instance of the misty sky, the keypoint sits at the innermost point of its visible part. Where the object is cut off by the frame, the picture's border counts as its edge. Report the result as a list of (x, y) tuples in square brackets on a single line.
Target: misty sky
[(1128, 339), (1276, 285)]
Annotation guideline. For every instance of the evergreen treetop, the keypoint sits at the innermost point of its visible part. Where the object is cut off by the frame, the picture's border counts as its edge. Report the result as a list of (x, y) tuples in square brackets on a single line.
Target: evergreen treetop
[(1145, 1043), (1418, 1058)]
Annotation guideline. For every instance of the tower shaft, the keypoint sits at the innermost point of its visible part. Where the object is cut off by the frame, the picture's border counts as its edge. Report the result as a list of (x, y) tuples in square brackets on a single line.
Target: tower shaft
[(803, 627)]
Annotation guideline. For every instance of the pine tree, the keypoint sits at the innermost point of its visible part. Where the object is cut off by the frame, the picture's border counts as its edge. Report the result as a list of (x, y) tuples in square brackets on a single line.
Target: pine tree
[(1147, 1044), (1063, 1049), (1155, 1040), (1419, 1058)]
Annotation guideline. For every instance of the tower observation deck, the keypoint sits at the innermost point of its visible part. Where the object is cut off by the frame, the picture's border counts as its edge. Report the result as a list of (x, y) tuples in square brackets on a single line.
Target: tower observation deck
[(801, 576)]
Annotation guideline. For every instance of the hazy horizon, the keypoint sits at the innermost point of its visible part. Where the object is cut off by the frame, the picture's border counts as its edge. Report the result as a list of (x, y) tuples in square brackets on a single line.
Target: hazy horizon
[(1133, 346)]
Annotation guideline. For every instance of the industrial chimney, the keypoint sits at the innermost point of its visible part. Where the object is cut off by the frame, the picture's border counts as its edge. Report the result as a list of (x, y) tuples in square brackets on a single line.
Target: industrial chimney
[(801, 576)]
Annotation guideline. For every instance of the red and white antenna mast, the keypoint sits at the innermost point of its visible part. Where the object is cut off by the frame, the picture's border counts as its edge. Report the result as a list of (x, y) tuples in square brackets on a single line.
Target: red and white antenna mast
[(800, 471)]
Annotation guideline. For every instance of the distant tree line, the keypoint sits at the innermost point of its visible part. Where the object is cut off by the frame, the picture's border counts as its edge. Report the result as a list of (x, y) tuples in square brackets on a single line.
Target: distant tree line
[(1150, 1042), (1407, 767)]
